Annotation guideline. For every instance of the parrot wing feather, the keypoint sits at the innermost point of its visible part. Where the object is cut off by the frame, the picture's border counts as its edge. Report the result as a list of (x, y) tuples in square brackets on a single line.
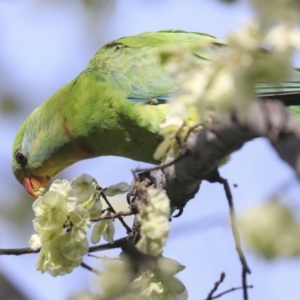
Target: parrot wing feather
[(132, 64)]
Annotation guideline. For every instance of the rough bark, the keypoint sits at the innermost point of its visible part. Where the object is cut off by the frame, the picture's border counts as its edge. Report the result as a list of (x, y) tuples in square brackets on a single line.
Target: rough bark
[(205, 150)]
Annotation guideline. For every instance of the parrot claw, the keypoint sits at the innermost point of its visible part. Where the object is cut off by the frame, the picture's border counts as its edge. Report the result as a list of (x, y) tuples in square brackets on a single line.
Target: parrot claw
[(138, 177), (130, 196), (180, 211)]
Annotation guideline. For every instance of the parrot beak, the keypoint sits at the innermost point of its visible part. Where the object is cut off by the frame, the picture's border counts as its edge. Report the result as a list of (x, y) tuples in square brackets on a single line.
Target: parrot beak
[(36, 186)]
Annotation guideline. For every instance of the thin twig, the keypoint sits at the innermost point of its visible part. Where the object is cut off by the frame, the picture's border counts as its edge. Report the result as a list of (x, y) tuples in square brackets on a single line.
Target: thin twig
[(117, 244), (237, 240), (113, 216), (128, 229), (229, 291), (244, 283), (235, 231), (94, 256), (162, 166), (18, 251), (215, 177), (85, 266), (104, 257), (183, 153), (216, 286), (191, 129)]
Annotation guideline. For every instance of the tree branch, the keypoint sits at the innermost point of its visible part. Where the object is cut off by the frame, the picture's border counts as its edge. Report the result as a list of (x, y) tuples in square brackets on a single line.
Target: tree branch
[(113, 216), (205, 150), (216, 286), (89, 268), (210, 296), (229, 291), (18, 251), (117, 244), (128, 229), (215, 177)]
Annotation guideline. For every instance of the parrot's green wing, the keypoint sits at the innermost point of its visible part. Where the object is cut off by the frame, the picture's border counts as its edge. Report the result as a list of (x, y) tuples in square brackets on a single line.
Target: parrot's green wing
[(288, 91), (132, 64)]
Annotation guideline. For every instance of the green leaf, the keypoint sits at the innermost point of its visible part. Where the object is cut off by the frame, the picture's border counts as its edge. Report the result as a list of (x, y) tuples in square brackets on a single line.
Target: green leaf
[(116, 189), (98, 231), (109, 232)]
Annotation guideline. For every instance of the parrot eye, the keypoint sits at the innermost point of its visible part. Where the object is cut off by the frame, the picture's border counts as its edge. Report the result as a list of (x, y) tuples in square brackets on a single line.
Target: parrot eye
[(20, 158)]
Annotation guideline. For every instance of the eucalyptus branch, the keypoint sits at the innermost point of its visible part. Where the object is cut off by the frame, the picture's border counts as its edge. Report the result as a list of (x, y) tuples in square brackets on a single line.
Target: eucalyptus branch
[(206, 148), (113, 216), (216, 286), (229, 291), (244, 282), (215, 177), (128, 229), (89, 268), (183, 152), (162, 166), (19, 251), (117, 244)]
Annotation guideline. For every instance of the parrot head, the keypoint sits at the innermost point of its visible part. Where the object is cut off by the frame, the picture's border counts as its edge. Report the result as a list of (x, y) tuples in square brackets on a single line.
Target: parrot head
[(35, 185), (35, 155), (26, 167), (35, 181)]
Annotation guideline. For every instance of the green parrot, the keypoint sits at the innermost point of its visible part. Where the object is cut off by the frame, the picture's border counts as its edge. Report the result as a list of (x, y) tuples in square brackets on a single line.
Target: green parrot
[(113, 107)]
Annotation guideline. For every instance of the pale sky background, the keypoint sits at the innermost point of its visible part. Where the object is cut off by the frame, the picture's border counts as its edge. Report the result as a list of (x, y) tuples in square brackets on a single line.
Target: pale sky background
[(43, 45)]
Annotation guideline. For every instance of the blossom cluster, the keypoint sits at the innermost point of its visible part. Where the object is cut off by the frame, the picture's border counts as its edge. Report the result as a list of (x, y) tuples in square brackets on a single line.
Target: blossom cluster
[(62, 219)]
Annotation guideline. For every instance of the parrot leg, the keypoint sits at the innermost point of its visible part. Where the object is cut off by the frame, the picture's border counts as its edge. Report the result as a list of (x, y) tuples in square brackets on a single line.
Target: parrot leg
[(145, 178), (148, 180), (131, 194), (180, 212)]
